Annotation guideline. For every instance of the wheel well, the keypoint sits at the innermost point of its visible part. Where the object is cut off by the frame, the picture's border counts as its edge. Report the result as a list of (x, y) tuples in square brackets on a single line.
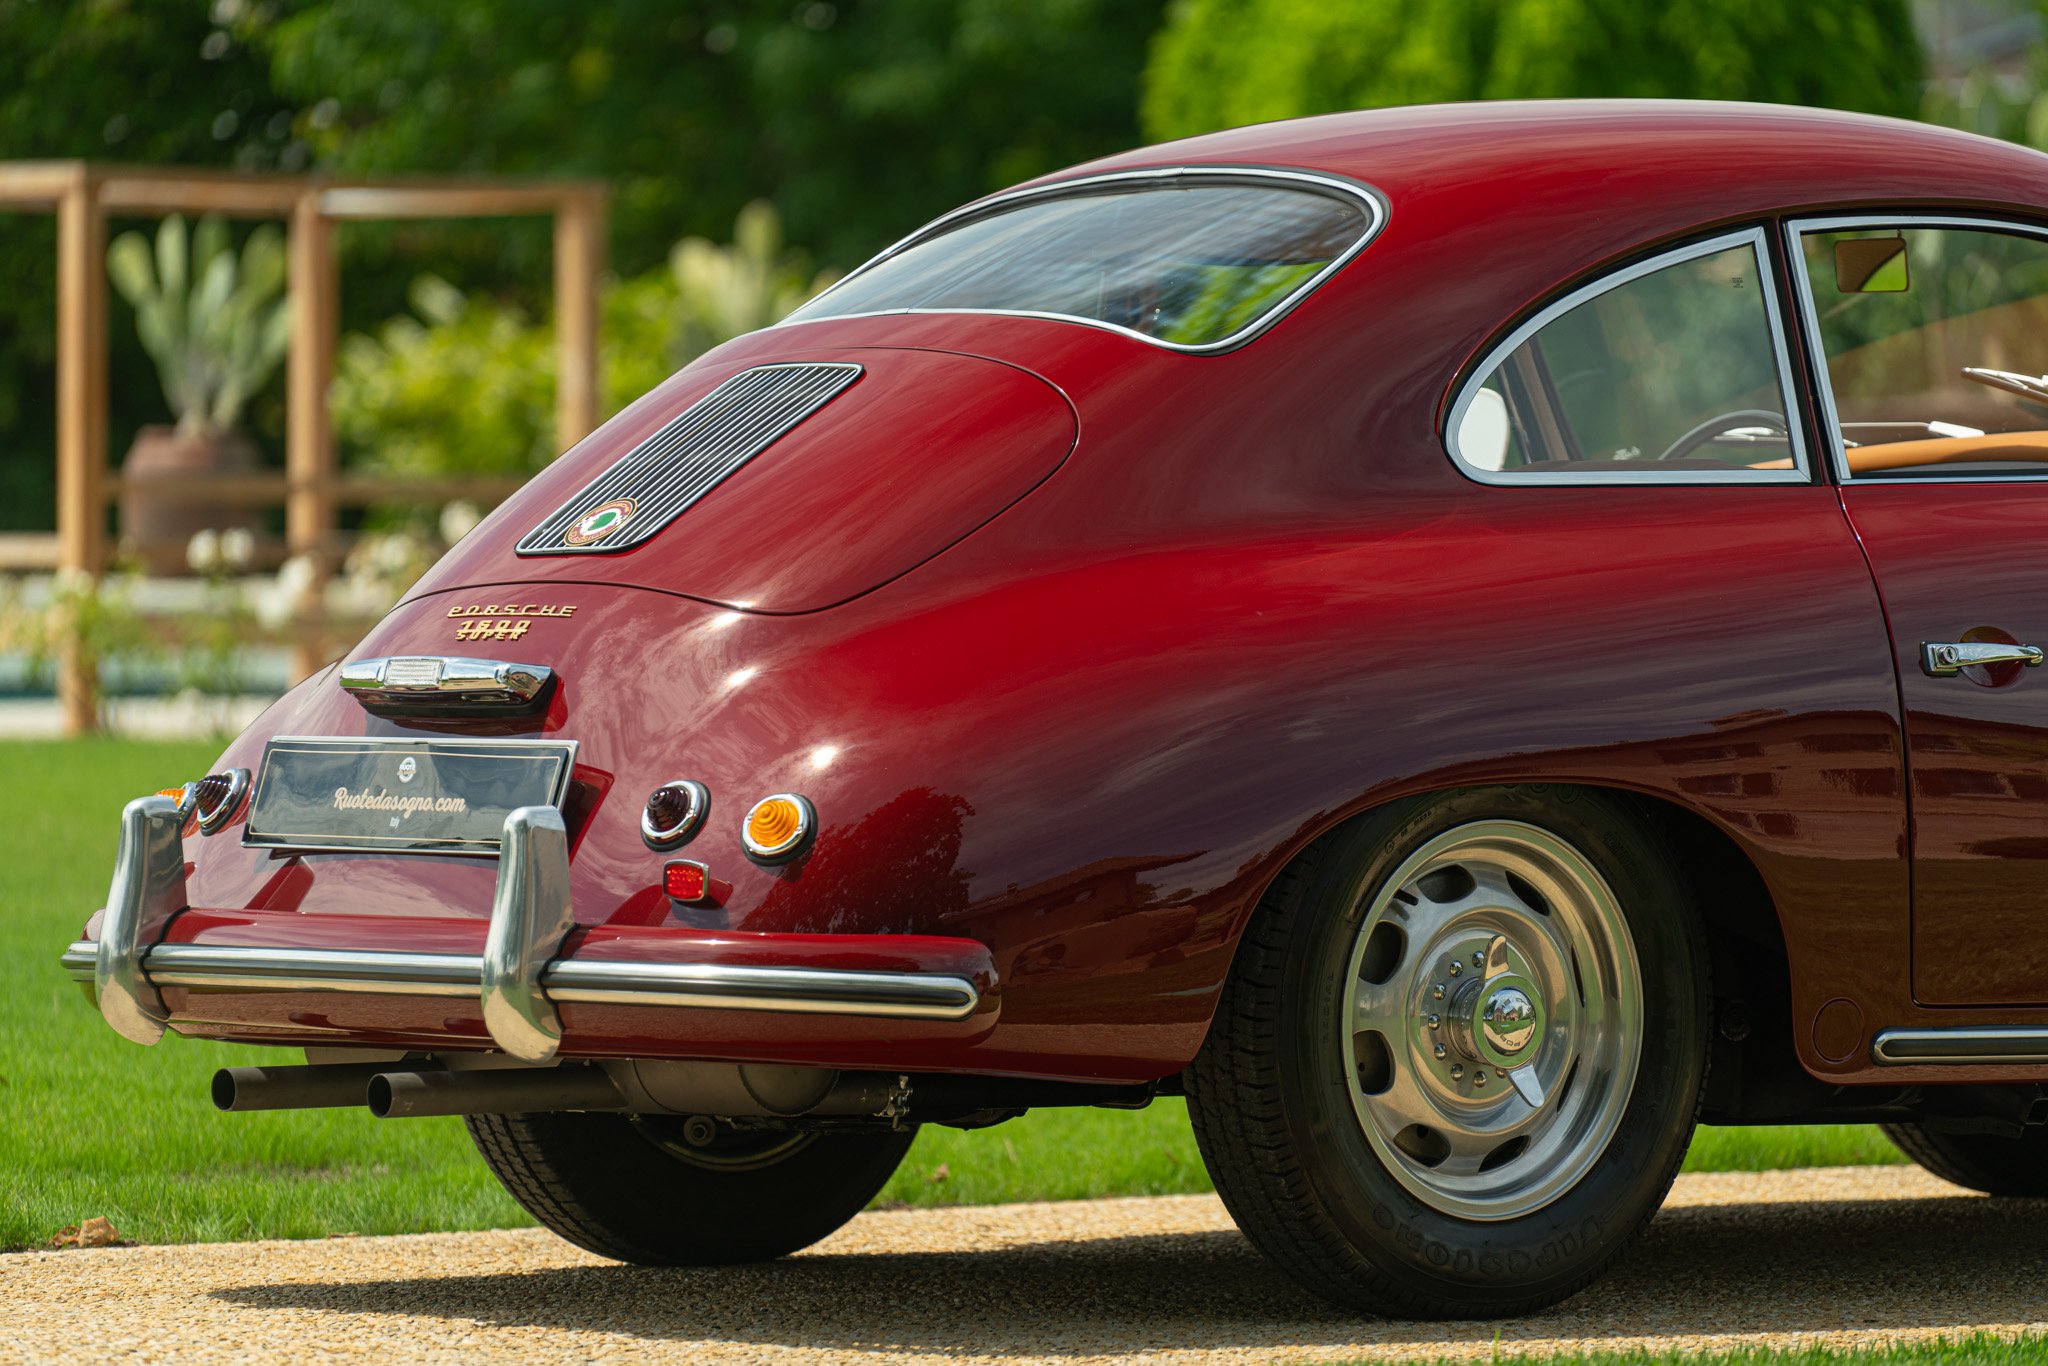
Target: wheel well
[(1753, 1069), (1753, 1075)]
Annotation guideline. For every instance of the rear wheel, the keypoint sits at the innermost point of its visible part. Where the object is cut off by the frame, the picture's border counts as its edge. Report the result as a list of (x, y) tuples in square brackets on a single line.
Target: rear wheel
[(685, 1192), (1459, 1057), (1980, 1162)]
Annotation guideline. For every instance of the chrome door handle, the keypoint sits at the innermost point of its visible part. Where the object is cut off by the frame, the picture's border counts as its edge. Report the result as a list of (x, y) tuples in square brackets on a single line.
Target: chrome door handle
[(1945, 660)]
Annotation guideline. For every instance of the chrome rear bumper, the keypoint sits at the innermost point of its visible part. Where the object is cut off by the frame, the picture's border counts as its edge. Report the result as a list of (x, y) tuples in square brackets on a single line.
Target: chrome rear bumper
[(517, 981)]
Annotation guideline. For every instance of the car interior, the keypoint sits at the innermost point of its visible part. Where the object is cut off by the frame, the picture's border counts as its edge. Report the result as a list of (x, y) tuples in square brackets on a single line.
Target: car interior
[(1933, 338)]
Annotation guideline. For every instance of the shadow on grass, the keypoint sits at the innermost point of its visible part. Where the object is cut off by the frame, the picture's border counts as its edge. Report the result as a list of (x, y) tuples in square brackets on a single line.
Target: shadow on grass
[(1701, 1271)]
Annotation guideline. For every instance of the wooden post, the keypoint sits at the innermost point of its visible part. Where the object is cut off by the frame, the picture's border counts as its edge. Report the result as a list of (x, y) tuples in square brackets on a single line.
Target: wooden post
[(315, 286), (81, 423), (579, 262)]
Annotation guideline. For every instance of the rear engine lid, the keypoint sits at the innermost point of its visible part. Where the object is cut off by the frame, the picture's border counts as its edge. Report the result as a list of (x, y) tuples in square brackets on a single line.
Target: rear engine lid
[(787, 486)]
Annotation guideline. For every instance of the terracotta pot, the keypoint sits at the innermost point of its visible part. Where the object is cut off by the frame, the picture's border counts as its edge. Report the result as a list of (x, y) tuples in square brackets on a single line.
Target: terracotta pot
[(155, 526)]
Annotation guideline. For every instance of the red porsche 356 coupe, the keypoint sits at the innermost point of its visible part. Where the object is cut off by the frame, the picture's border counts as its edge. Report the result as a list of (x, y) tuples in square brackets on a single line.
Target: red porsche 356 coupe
[(1463, 640)]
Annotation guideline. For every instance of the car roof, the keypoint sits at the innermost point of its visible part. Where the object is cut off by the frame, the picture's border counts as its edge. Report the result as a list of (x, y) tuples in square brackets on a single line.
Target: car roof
[(1753, 157)]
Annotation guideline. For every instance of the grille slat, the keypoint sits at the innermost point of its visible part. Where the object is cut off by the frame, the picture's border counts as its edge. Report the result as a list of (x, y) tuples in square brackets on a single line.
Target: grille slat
[(692, 454)]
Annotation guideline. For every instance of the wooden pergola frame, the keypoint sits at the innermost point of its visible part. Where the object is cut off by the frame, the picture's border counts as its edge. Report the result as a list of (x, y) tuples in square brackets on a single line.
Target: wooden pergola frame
[(83, 195)]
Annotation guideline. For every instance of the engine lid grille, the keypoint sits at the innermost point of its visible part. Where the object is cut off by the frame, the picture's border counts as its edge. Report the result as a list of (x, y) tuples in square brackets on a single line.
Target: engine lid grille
[(650, 485)]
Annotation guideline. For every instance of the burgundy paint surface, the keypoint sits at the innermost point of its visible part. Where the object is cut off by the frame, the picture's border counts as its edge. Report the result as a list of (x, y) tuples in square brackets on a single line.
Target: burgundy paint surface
[(1256, 598), (1958, 562)]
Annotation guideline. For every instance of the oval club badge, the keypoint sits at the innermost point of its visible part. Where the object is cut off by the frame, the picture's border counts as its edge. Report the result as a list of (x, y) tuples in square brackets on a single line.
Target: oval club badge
[(600, 522)]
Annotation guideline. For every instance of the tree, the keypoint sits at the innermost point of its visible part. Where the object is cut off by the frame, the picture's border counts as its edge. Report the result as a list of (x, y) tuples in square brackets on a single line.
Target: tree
[(116, 81), (859, 119), (1221, 63)]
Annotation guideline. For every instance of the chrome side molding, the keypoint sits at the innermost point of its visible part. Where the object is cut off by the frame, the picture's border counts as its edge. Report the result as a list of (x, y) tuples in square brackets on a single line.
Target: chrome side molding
[(530, 916), (1960, 1046), (147, 890), (414, 685)]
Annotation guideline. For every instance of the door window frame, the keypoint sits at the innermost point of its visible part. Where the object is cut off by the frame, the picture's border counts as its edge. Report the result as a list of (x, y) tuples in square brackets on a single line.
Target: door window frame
[(1830, 419), (1759, 239)]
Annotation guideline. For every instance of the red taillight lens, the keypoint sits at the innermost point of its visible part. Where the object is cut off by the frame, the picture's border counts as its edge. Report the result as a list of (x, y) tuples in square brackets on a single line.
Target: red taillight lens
[(685, 881)]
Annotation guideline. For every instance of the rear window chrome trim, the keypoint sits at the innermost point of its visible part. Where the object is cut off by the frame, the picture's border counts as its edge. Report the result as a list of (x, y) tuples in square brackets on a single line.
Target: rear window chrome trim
[(1375, 204), (1809, 324), (1758, 240)]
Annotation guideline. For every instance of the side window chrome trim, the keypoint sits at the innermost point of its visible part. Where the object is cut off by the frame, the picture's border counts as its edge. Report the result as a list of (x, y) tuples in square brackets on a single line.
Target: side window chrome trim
[(1759, 243), (1809, 325), (1377, 213)]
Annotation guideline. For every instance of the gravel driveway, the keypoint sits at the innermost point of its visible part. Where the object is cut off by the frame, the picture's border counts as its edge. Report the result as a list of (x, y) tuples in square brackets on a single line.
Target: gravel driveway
[(1841, 1255)]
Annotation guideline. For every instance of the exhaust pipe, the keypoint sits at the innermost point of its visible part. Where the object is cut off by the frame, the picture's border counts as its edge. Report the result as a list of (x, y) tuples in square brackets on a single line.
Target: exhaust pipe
[(394, 1090), (490, 1091), (318, 1086)]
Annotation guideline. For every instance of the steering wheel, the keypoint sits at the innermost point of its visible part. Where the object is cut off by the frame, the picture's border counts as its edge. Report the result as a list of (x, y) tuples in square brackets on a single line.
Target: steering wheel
[(1720, 423)]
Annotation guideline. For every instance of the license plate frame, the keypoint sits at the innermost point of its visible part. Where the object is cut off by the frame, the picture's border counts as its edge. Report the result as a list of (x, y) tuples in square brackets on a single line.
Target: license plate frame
[(380, 795)]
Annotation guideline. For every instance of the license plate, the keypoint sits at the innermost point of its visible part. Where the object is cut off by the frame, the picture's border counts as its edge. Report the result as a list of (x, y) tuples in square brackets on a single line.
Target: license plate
[(405, 796)]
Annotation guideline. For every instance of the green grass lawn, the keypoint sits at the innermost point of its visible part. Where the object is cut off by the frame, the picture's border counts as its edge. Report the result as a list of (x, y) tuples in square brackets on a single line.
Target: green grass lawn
[(1981, 1349), (91, 1124)]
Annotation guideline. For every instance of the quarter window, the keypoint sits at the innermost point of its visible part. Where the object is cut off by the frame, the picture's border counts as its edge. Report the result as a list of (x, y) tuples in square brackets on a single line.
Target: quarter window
[(1671, 370), (1936, 340)]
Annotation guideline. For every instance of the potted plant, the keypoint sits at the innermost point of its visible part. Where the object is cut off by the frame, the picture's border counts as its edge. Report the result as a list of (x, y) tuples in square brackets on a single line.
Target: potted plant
[(215, 323)]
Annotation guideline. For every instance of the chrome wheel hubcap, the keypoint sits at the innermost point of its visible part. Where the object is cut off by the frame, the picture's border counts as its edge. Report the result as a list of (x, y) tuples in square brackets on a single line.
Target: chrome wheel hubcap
[(1494, 1023)]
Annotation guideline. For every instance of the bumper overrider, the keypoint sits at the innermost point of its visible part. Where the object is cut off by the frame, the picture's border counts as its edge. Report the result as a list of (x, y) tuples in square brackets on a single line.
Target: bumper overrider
[(518, 980)]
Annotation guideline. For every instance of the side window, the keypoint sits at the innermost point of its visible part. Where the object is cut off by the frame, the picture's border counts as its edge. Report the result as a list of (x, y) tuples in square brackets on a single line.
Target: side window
[(1670, 370), (1936, 340)]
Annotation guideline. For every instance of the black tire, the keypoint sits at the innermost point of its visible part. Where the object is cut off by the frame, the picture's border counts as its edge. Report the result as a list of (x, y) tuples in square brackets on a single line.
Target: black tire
[(633, 1189), (1979, 1162), (1273, 1109)]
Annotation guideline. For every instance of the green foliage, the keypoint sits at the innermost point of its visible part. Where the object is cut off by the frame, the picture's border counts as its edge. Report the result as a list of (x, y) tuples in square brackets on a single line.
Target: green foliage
[(859, 118), (1983, 103), (1974, 1349), (93, 620), (215, 324), (467, 385), (1220, 63), (464, 387), (131, 82), (212, 640), (726, 292)]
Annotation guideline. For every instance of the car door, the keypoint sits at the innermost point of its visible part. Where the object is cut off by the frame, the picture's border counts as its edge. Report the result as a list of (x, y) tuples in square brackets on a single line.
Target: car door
[(1931, 341)]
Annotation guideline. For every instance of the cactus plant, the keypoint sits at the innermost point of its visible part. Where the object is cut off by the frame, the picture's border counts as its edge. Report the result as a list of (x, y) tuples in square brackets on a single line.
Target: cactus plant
[(215, 323)]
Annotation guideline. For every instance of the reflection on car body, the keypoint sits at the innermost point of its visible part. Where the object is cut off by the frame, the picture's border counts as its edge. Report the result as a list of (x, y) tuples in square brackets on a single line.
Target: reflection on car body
[(1216, 622)]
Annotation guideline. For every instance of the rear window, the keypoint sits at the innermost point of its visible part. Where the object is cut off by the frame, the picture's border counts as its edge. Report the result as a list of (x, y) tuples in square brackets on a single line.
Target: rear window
[(1187, 262)]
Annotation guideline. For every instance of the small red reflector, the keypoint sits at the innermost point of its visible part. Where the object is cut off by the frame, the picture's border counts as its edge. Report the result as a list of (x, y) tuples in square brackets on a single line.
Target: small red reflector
[(685, 881)]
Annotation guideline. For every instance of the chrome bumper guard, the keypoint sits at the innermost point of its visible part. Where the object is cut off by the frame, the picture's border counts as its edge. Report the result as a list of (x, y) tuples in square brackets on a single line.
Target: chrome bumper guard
[(517, 980)]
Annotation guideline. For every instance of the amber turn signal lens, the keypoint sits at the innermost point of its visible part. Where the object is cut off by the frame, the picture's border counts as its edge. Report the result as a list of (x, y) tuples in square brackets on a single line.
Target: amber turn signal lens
[(777, 826), (183, 795)]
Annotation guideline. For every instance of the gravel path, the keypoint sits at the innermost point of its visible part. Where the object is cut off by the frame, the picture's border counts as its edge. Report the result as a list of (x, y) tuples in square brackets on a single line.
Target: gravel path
[(1841, 1256)]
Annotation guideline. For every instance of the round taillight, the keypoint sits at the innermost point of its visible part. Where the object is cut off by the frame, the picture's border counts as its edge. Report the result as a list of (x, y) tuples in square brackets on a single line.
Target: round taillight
[(778, 827), (216, 798), (673, 813)]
